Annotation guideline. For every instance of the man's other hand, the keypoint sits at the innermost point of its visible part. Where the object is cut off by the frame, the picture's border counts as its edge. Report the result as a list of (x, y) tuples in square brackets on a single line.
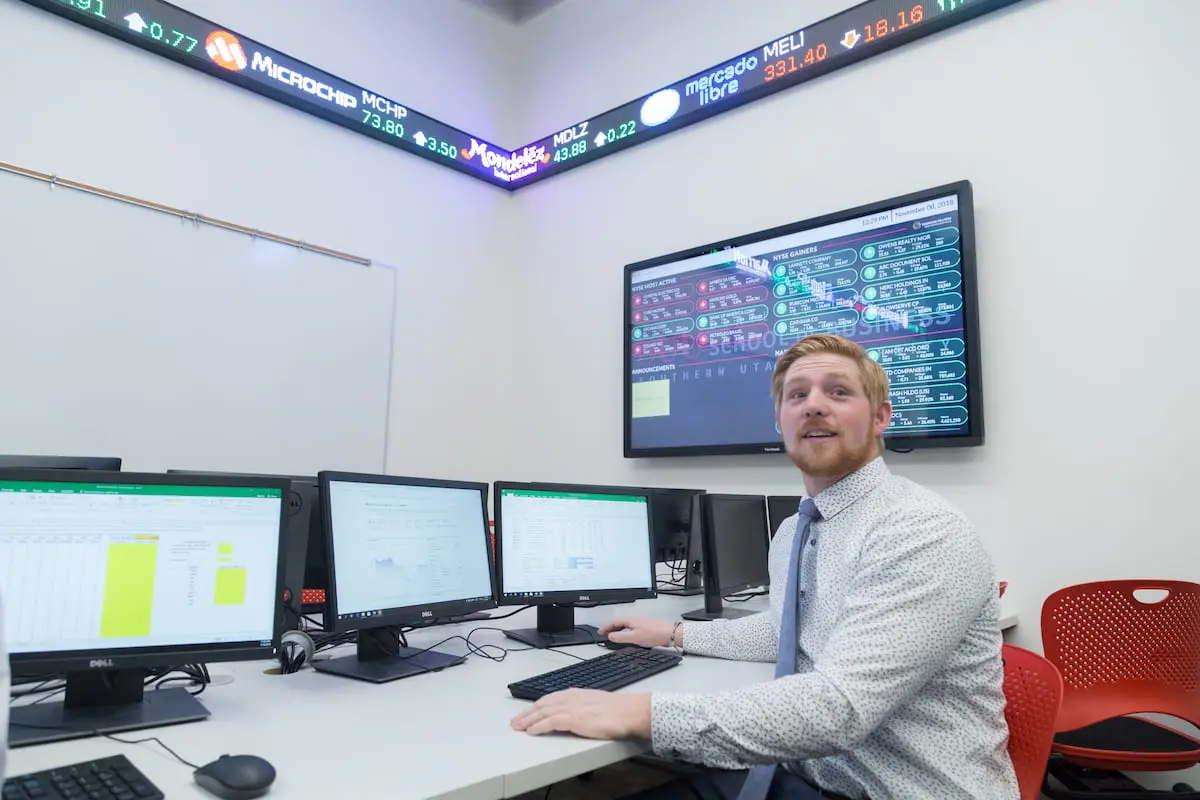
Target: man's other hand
[(589, 713)]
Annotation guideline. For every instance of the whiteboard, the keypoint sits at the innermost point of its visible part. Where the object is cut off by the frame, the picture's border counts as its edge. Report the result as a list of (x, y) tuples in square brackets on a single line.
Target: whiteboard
[(134, 333)]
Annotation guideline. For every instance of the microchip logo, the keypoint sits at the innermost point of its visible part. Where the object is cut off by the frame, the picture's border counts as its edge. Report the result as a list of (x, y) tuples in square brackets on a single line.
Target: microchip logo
[(226, 51)]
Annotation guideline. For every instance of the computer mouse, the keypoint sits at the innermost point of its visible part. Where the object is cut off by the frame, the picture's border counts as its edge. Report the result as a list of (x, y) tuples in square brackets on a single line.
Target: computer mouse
[(611, 645), (236, 777)]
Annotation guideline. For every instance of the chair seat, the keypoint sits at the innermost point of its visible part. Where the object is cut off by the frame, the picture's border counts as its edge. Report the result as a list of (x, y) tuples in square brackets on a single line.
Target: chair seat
[(1128, 743)]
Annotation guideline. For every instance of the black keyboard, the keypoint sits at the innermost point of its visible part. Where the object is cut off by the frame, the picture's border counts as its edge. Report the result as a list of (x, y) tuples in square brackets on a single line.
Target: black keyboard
[(609, 671), (112, 778)]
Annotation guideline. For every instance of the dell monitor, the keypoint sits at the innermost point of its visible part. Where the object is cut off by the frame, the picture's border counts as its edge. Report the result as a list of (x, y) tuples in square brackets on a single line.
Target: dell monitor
[(674, 520), (779, 508), (705, 326), (107, 575), (97, 463), (402, 551), (562, 544), (736, 545), (304, 541)]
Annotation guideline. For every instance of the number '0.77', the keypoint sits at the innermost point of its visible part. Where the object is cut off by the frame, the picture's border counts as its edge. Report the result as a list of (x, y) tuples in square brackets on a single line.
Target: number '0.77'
[(174, 38)]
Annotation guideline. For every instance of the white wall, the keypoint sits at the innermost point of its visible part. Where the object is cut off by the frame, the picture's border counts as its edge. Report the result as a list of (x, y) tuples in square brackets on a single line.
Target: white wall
[(84, 106), (1075, 120), (1079, 146)]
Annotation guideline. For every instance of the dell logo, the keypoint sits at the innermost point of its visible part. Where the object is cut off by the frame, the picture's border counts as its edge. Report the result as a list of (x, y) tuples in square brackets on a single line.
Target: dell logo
[(100, 663), (426, 614), (583, 597)]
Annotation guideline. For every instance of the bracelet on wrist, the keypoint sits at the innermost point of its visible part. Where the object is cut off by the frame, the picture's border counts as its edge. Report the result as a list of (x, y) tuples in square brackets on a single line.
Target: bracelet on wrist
[(674, 632)]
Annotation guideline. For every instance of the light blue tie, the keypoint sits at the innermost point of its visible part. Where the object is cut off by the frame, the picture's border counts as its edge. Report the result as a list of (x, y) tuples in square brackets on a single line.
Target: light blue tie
[(758, 782)]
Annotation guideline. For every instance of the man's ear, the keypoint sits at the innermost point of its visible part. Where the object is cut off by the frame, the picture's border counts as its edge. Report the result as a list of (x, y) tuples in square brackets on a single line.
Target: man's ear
[(883, 417)]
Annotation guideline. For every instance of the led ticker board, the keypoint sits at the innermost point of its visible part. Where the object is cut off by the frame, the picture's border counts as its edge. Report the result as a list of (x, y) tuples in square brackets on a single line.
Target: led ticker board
[(196, 42), (835, 42), (858, 33)]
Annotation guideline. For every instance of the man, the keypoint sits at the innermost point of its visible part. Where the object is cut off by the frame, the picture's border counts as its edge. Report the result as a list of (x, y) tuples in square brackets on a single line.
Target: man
[(888, 672)]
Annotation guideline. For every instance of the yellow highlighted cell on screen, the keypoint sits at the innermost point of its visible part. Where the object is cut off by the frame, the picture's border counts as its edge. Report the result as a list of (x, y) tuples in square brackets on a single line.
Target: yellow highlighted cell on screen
[(225, 549), (651, 399), (128, 590), (231, 586), (146, 537)]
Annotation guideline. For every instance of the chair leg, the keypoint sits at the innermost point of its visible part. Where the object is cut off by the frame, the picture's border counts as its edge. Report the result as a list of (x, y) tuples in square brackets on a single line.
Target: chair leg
[(1073, 782)]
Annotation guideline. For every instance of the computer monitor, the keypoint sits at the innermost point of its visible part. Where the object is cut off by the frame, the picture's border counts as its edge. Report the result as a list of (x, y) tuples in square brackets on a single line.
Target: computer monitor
[(99, 463), (306, 562), (674, 520), (779, 508), (561, 544), (897, 276), (107, 575), (402, 551), (736, 544)]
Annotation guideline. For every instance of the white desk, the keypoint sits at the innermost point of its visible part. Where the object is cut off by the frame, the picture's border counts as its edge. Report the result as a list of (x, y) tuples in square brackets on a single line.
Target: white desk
[(441, 735)]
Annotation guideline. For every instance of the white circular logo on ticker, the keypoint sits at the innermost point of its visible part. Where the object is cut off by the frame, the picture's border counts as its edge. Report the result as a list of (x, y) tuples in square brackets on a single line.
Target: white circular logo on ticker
[(660, 107)]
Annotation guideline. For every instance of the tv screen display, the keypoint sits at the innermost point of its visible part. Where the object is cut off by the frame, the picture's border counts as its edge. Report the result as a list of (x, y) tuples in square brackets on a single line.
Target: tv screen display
[(705, 326)]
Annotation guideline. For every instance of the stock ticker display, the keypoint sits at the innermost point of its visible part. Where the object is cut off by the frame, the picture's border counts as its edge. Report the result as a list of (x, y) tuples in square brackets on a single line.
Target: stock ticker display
[(840, 40), (705, 331)]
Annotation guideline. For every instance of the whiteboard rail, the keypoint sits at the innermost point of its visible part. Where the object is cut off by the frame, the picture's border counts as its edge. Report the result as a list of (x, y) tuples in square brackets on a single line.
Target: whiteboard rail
[(197, 218)]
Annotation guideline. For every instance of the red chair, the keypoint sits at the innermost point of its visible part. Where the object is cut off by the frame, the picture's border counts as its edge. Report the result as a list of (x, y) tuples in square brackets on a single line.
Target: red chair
[(1120, 655), (1033, 690)]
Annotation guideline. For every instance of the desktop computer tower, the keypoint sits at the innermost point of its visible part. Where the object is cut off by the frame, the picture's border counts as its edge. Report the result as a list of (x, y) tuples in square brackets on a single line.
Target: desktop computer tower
[(692, 582)]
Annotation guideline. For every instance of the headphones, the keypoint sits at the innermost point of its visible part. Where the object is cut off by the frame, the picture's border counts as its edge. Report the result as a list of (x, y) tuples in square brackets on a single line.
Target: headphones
[(295, 650)]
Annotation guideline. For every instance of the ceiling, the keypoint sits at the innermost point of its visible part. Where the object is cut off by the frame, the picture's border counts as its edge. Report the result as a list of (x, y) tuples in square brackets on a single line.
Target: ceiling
[(514, 10)]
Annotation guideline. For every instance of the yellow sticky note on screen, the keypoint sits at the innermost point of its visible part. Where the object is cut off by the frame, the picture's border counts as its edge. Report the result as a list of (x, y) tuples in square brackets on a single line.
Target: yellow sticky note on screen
[(652, 399)]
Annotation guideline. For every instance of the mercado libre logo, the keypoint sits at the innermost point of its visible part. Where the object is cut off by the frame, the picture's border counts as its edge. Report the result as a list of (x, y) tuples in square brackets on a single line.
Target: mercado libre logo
[(226, 51)]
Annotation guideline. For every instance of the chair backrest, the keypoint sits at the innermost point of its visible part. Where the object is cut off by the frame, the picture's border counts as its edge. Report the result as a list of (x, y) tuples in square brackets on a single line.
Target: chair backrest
[(1119, 654), (1033, 690)]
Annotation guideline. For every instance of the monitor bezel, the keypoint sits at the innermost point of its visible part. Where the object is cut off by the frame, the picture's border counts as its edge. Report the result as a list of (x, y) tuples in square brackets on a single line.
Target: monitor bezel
[(896, 442), (166, 655), (407, 615), (9, 462), (777, 498), (712, 564), (581, 596)]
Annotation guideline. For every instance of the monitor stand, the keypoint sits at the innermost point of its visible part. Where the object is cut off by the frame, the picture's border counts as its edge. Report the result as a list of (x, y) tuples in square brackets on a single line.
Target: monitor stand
[(715, 608), (380, 658), (474, 616), (704, 615), (556, 628), (99, 702)]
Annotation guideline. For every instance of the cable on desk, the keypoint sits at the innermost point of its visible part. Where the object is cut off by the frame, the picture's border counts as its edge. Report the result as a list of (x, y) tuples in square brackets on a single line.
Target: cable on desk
[(741, 598), (511, 613), (17, 694), (94, 732), (302, 617), (334, 640), (193, 674), (154, 739)]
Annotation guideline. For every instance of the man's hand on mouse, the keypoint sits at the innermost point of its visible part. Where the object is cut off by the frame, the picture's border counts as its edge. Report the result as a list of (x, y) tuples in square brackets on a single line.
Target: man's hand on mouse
[(642, 631), (589, 713)]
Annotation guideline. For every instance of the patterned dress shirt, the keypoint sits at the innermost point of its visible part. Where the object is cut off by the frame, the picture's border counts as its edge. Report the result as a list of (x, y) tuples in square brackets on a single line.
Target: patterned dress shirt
[(898, 691)]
